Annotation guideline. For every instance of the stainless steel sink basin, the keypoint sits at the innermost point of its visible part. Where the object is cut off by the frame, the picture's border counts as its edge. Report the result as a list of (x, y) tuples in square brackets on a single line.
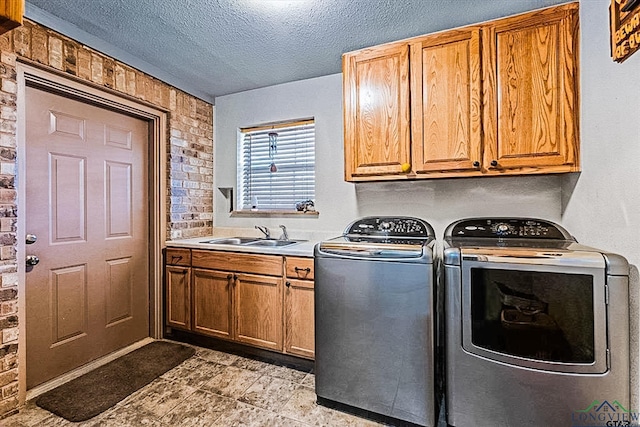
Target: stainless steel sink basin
[(251, 241), (272, 243), (231, 240)]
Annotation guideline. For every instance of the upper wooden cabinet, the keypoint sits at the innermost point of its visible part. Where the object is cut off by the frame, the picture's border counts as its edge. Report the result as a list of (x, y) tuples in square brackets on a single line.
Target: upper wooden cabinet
[(445, 106), (531, 92), (11, 12), (492, 99), (376, 110)]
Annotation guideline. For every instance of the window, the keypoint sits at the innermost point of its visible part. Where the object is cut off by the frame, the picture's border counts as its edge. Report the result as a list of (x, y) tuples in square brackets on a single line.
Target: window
[(276, 166)]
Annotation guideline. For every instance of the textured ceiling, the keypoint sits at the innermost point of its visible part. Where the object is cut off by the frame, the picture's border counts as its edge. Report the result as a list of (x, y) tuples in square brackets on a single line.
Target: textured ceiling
[(216, 47)]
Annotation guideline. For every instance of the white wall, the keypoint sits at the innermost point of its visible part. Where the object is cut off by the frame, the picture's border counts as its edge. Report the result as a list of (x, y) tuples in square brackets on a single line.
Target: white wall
[(603, 209)]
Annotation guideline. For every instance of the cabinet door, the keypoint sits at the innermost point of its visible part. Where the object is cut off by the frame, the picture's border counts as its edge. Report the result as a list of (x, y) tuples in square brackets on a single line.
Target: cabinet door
[(376, 111), (530, 82), (178, 294), (212, 309), (11, 12), (445, 102), (258, 309), (299, 321)]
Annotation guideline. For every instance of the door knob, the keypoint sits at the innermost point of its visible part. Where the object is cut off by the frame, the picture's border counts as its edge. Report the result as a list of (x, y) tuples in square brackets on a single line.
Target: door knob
[(32, 260), (31, 239)]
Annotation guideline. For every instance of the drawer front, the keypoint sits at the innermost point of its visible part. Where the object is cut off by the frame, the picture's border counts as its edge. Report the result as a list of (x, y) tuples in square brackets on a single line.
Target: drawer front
[(178, 256), (233, 261), (299, 268)]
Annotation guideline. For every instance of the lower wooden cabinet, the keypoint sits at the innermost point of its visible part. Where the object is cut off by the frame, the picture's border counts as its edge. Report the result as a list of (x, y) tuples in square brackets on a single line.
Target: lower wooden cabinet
[(299, 322), (212, 302), (178, 296), (178, 288), (299, 307), (243, 298), (258, 310)]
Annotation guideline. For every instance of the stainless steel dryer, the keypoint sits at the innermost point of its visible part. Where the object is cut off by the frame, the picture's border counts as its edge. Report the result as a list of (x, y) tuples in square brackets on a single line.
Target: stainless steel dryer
[(374, 319), (537, 326)]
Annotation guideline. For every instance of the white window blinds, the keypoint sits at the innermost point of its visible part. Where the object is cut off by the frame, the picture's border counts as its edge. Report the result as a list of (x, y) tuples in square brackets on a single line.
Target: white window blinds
[(276, 166)]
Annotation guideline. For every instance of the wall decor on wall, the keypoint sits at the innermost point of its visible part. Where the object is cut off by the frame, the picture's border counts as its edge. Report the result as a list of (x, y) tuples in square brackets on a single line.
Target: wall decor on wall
[(625, 28)]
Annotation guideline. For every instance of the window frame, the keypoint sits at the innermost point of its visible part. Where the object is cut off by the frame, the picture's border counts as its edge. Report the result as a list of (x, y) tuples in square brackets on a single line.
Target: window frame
[(243, 209)]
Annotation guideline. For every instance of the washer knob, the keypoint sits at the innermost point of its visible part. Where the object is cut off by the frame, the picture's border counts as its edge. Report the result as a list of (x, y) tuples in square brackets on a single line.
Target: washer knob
[(502, 228)]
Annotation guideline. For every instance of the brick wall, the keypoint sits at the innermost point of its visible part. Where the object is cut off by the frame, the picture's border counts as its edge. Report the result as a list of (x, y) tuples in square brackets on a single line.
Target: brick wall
[(189, 154)]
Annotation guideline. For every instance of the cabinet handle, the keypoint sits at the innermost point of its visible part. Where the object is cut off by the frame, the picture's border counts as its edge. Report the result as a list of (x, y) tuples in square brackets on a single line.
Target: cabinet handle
[(494, 163), (299, 269), (476, 164), (288, 284), (229, 276), (175, 258)]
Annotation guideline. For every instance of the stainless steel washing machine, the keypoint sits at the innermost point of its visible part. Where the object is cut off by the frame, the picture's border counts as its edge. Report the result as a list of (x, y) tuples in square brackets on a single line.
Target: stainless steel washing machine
[(537, 326), (374, 319)]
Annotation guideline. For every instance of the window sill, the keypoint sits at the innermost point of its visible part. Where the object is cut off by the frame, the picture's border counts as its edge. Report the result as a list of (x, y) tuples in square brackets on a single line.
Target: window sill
[(274, 214)]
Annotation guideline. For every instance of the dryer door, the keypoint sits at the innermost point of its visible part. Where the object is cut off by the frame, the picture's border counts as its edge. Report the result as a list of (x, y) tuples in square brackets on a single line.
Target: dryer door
[(547, 317)]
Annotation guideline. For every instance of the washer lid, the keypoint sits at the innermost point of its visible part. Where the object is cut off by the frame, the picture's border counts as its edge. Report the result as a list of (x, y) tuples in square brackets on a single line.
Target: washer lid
[(372, 249)]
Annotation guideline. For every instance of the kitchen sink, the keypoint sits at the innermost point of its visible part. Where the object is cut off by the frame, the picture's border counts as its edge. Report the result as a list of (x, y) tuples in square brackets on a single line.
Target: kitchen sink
[(265, 242), (232, 240), (251, 241)]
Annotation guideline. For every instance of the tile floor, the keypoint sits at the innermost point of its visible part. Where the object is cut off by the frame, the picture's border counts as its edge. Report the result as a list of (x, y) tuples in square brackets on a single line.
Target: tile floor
[(212, 389)]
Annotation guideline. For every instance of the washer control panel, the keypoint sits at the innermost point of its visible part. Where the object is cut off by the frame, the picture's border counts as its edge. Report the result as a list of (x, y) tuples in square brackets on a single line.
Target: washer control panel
[(522, 228), (390, 227)]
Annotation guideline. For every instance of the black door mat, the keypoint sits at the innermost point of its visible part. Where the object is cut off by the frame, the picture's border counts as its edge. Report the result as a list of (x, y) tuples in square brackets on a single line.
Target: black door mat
[(98, 390)]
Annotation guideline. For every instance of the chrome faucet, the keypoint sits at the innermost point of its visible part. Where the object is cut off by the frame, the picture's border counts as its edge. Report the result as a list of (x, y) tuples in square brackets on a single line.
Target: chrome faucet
[(284, 236), (264, 230)]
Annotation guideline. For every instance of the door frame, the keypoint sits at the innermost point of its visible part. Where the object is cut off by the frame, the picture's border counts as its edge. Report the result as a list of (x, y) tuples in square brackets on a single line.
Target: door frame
[(65, 85)]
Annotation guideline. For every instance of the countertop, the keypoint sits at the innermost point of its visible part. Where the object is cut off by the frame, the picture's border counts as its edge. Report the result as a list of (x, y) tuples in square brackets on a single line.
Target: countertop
[(303, 249)]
